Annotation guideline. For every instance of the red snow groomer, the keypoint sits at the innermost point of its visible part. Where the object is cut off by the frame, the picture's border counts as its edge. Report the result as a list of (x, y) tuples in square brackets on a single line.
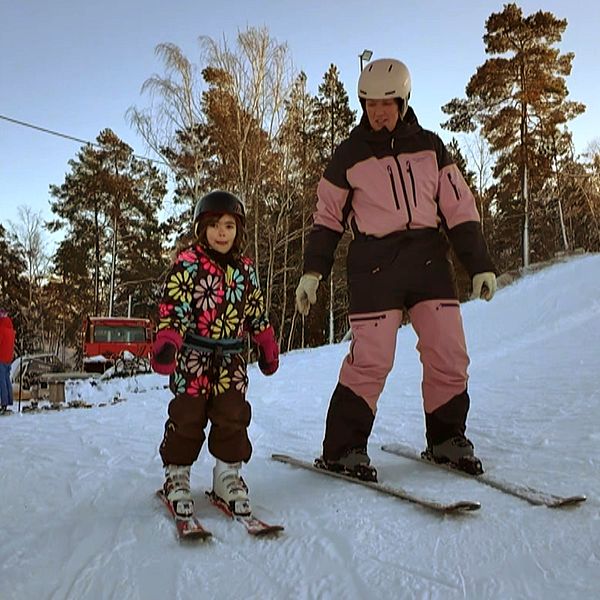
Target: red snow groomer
[(106, 340)]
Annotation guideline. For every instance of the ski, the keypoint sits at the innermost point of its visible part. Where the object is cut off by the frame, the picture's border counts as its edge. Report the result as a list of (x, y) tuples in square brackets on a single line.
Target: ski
[(441, 507), (253, 525), (187, 528), (533, 496)]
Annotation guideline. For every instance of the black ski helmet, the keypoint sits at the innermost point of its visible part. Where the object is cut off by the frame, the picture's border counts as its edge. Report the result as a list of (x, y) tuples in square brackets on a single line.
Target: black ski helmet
[(219, 201)]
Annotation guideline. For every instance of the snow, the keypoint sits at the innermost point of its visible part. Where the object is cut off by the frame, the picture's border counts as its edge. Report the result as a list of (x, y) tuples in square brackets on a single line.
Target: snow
[(79, 518)]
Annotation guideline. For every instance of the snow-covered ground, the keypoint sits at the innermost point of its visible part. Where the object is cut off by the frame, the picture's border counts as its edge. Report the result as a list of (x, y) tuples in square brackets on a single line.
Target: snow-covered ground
[(79, 519)]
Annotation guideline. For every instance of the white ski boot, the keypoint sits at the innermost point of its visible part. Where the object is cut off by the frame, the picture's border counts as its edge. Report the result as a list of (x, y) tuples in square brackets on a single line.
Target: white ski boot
[(177, 490), (229, 487)]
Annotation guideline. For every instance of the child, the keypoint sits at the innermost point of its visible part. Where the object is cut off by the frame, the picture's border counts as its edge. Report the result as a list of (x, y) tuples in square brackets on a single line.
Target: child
[(210, 301)]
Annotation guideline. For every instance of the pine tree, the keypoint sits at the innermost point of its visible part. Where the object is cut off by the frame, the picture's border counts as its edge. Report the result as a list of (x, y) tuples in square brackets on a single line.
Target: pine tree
[(519, 100), (112, 248), (333, 120)]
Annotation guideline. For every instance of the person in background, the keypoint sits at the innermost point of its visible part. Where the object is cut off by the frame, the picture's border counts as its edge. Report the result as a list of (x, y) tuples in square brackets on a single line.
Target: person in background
[(211, 302), (394, 185), (7, 350)]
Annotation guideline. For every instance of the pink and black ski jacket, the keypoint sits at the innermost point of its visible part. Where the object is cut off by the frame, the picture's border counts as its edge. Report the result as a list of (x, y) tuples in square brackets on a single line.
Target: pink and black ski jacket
[(381, 182)]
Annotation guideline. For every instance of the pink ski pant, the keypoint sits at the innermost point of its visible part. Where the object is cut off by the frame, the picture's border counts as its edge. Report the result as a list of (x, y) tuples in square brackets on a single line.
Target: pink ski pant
[(441, 346)]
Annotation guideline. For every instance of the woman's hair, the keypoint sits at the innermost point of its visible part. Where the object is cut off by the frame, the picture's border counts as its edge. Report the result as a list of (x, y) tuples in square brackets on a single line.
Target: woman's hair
[(206, 219)]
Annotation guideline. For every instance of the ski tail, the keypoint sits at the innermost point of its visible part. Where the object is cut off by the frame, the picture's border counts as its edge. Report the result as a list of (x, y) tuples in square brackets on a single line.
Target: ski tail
[(457, 507), (530, 494)]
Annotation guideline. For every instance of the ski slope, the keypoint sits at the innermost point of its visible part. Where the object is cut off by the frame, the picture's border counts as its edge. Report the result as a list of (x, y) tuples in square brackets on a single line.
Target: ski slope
[(79, 519)]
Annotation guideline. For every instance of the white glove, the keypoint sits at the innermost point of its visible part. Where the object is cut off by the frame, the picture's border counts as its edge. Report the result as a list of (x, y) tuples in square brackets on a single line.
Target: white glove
[(484, 286), (306, 292)]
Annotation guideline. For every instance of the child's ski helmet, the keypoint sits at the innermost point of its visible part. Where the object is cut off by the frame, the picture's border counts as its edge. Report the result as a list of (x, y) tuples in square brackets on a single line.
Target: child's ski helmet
[(219, 201)]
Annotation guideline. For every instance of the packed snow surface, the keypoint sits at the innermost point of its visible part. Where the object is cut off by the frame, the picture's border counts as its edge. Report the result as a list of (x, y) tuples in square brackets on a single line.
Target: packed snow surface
[(79, 518)]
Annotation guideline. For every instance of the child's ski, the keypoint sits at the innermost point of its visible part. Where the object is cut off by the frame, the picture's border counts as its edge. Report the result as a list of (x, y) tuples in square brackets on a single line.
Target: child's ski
[(187, 528), (253, 525), (452, 507), (531, 495)]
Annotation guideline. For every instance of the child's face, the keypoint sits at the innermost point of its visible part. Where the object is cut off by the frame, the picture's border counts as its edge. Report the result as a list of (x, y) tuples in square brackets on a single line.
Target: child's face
[(221, 235)]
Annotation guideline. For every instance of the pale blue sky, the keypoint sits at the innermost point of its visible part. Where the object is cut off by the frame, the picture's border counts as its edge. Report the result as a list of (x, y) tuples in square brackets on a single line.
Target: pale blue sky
[(76, 66)]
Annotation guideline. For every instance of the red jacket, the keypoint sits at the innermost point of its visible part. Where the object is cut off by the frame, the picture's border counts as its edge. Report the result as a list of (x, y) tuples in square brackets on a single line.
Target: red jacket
[(7, 340)]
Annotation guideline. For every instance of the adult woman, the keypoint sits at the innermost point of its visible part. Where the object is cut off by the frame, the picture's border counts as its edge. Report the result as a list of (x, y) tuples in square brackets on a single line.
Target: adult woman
[(395, 186)]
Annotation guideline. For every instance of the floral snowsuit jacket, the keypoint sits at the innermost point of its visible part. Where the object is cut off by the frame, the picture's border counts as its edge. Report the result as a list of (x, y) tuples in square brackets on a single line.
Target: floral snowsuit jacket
[(221, 303)]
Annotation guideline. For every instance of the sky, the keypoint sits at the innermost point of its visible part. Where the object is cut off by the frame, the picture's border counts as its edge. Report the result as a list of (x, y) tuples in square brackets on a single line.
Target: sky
[(76, 67), (79, 519)]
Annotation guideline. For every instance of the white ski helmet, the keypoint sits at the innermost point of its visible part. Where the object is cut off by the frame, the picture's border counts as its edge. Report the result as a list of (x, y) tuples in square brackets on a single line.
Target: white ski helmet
[(385, 78)]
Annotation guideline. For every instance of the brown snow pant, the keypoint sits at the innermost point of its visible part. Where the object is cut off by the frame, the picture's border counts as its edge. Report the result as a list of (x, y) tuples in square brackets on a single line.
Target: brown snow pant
[(229, 415)]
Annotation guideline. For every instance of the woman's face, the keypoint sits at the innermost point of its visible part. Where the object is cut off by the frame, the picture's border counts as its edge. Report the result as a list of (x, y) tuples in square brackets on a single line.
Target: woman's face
[(220, 235), (382, 113)]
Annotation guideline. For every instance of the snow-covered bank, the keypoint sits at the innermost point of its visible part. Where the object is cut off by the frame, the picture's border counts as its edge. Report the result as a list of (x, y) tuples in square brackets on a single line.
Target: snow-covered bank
[(79, 518)]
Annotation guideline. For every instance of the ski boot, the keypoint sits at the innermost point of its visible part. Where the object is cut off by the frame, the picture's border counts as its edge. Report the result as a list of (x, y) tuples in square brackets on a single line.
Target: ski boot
[(177, 490), (230, 488), (457, 452), (355, 463)]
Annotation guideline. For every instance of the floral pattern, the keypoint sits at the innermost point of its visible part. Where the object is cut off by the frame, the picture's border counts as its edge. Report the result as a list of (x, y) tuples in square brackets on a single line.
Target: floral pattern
[(226, 326), (240, 379), (196, 362), (235, 283), (209, 292), (180, 285), (202, 298)]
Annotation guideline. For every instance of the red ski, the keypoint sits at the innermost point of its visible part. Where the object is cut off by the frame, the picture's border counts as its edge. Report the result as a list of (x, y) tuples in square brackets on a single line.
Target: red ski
[(253, 525), (188, 528)]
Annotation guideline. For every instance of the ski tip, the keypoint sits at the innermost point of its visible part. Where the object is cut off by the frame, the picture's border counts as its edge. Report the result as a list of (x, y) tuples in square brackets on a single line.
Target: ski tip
[(195, 534), (567, 501), (465, 506), (270, 531), (279, 457)]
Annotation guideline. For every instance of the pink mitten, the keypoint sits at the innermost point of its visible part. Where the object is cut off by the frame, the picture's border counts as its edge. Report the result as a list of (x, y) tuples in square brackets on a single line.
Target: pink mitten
[(164, 351), (268, 351)]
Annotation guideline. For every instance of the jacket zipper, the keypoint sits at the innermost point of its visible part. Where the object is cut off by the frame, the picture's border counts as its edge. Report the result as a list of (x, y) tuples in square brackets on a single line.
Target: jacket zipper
[(389, 170), (404, 192), (412, 182), (454, 187)]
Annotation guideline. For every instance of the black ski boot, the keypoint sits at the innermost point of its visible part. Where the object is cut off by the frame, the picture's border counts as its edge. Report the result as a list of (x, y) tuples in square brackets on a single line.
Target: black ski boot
[(457, 452), (355, 463)]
